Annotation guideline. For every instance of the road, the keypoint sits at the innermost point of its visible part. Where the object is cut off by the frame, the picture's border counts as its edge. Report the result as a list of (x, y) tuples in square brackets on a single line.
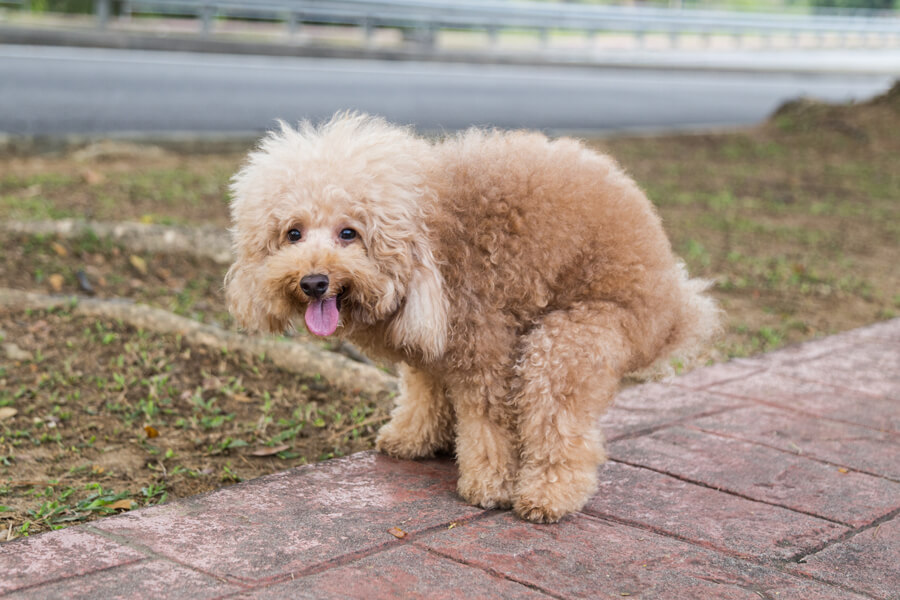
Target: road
[(91, 91)]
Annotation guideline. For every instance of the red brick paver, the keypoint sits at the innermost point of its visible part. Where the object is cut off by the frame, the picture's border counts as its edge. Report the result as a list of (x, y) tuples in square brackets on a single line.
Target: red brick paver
[(707, 517), (772, 477), (867, 561)]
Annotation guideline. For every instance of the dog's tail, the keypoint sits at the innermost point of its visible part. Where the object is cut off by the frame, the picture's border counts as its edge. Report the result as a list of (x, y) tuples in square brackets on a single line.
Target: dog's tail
[(697, 326)]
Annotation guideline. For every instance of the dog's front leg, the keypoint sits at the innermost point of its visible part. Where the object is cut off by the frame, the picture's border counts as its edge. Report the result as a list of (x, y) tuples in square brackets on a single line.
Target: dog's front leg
[(422, 422), (485, 442)]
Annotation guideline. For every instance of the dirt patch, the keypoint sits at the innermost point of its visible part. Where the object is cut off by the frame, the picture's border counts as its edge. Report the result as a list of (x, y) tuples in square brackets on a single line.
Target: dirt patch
[(95, 412), (87, 265)]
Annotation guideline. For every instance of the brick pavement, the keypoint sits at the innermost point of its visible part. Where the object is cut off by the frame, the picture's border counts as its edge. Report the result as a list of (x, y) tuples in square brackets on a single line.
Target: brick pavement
[(771, 477)]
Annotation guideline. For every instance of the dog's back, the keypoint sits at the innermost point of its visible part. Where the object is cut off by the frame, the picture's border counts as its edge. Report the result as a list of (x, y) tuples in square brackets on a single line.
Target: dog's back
[(549, 224)]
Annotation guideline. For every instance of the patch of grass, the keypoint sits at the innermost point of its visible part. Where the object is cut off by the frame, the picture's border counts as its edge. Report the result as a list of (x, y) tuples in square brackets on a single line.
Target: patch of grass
[(122, 414), (158, 188), (800, 215)]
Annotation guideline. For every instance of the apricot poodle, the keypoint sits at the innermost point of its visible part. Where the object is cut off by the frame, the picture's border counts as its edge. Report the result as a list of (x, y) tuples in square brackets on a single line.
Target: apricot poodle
[(515, 278)]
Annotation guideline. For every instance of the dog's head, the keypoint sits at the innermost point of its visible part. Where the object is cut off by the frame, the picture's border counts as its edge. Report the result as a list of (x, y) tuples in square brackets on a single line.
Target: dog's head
[(329, 223)]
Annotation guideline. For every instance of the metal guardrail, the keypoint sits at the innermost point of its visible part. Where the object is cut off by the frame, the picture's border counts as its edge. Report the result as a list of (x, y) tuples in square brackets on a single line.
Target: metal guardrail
[(426, 17)]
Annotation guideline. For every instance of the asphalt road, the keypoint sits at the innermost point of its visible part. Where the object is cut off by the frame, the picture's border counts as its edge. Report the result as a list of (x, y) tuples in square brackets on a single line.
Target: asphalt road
[(54, 91)]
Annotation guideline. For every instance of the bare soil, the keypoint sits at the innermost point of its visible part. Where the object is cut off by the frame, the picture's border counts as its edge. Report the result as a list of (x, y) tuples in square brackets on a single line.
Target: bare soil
[(796, 221)]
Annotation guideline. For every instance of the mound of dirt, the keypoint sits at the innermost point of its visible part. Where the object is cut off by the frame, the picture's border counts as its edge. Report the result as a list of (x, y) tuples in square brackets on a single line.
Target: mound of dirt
[(863, 122), (890, 98)]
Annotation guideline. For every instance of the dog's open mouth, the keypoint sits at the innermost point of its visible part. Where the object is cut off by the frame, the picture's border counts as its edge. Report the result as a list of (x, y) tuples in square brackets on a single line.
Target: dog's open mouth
[(324, 314)]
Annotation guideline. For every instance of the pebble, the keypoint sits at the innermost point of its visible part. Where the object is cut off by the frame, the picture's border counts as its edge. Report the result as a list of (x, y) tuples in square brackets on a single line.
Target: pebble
[(13, 352)]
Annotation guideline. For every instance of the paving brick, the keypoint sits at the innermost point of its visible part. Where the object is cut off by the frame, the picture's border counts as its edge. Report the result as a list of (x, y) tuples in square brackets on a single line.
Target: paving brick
[(157, 579), (762, 473), (855, 447), (585, 557), (56, 555), (406, 572), (651, 405), (720, 373), (871, 368), (290, 521), (868, 562), (705, 516), (817, 399)]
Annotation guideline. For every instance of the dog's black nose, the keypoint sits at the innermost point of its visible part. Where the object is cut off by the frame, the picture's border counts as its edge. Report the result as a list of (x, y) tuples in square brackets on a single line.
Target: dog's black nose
[(314, 286)]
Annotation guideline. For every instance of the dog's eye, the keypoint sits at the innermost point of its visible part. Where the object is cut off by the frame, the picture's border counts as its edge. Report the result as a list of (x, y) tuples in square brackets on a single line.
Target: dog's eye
[(347, 234), (294, 235)]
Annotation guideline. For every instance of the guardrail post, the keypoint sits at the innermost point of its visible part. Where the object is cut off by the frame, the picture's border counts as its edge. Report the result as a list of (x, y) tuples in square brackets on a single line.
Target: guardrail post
[(493, 35), (293, 24), (369, 30), (207, 12), (102, 10)]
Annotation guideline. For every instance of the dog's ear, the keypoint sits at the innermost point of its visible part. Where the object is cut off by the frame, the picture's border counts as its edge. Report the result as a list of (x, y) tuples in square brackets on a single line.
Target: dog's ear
[(253, 307), (421, 323)]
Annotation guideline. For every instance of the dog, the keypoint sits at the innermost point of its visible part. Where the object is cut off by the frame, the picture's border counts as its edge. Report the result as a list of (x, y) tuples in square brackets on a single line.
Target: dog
[(515, 279)]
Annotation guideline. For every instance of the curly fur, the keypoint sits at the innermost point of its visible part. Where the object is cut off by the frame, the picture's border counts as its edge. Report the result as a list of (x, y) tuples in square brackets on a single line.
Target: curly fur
[(517, 278)]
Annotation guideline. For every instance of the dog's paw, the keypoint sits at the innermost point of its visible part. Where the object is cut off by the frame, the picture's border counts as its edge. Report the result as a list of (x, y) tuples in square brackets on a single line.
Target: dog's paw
[(485, 492), (540, 511), (392, 442), (546, 496)]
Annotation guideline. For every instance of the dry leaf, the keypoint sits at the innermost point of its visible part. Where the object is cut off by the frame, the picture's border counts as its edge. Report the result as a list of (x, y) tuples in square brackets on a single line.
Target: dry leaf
[(242, 398), (7, 412), (151, 431), (59, 249), (56, 282), (270, 451), (139, 264), (126, 504), (92, 177), (397, 532), (843, 470)]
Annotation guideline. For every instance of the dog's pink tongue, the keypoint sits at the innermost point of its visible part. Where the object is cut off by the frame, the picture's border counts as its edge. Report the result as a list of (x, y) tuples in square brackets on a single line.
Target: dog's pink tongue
[(322, 316)]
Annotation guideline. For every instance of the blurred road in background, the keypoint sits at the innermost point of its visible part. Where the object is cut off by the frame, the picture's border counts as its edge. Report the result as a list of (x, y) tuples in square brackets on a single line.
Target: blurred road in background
[(94, 91)]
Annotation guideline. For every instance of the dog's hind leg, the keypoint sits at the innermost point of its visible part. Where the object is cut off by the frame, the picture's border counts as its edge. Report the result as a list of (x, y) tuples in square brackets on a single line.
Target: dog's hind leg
[(568, 372), (422, 422)]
